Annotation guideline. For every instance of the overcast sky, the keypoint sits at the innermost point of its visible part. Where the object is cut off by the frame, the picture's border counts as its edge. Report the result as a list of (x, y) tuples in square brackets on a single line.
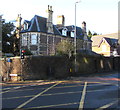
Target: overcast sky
[(101, 16)]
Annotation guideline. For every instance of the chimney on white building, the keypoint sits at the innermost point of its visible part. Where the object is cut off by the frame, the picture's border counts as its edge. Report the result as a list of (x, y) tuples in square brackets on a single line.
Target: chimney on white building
[(50, 20)]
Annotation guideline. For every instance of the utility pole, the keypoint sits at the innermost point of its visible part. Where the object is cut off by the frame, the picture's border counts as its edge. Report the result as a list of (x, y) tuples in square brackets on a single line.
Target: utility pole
[(75, 39), (0, 47), (0, 36)]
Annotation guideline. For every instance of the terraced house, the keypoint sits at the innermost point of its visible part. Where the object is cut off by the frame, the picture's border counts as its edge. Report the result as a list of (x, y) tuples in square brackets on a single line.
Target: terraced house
[(41, 36)]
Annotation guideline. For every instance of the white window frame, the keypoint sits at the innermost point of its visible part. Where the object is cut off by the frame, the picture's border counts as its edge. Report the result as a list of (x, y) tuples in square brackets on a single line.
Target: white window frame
[(34, 39), (72, 34), (25, 26), (24, 40), (64, 32)]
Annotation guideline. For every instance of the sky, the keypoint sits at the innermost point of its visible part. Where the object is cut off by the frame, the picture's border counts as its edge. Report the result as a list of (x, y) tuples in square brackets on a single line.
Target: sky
[(101, 16)]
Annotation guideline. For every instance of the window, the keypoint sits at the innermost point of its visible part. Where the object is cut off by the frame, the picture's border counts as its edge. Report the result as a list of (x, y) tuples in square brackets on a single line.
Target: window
[(72, 33), (104, 48), (25, 26), (24, 40), (33, 39), (64, 32)]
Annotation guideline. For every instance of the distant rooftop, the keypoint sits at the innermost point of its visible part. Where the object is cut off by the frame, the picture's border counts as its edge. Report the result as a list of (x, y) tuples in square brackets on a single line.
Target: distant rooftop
[(96, 39)]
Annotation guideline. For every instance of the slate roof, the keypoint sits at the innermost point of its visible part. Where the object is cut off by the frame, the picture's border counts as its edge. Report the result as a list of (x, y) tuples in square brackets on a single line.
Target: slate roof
[(79, 33), (97, 39), (111, 41), (38, 24), (71, 28)]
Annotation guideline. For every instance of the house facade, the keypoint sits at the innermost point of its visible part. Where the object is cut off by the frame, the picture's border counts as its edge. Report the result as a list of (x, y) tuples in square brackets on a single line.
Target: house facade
[(105, 46), (41, 36)]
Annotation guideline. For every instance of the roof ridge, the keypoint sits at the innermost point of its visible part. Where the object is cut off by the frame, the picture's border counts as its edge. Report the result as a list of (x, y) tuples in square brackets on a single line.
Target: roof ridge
[(39, 16), (38, 28)]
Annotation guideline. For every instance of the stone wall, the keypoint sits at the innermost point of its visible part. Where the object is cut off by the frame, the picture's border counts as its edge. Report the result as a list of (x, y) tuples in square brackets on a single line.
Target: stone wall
[(44, 67), (91, 65)]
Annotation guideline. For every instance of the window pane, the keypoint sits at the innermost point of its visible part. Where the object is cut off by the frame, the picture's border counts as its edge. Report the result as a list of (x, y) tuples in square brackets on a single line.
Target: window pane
[(33, 39), (104, 48), (72, 34), (24, 40), (64, 32)]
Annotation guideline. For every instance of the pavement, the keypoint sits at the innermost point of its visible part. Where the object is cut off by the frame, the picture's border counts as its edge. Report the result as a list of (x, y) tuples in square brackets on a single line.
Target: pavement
[(77, 93)]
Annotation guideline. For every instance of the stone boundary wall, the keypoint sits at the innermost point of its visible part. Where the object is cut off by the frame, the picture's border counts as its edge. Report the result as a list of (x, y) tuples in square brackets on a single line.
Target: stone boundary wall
[(44, 67)]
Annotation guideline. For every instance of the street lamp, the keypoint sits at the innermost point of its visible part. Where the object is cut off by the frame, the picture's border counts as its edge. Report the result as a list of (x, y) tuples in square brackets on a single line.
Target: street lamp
[(75, 44)]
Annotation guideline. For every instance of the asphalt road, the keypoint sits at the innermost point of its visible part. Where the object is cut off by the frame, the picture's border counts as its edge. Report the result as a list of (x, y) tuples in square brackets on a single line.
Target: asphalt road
[(77, 93)]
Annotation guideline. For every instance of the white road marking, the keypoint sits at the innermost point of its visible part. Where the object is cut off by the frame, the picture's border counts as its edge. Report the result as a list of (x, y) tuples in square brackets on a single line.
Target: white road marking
[(47, 106), (107, 105), (20, 106), (83, 97)]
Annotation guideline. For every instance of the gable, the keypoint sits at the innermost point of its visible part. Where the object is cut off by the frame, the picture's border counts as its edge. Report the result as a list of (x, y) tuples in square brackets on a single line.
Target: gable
[(108, 41)]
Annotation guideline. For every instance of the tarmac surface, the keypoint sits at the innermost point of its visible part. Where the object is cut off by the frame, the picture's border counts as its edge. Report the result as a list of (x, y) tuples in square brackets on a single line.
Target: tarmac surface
[(74, 93)]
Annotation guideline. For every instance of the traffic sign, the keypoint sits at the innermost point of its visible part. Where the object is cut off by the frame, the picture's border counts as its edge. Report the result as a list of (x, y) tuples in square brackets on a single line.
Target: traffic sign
[(9, 60)]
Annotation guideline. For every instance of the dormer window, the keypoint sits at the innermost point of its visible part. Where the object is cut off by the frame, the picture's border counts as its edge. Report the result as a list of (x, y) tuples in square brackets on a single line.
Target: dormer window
[(64, 32), (72, 34), (25, 26), (26, 23)]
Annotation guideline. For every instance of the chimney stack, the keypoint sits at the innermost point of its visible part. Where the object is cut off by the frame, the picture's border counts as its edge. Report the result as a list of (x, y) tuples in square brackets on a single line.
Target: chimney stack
[(84, 27), (84, 30), (50, 20), (60, 20), (18, 25)]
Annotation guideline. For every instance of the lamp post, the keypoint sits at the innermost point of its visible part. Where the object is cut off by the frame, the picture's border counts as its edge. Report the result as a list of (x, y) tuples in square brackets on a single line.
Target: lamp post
[(1, 36), (75, 43)]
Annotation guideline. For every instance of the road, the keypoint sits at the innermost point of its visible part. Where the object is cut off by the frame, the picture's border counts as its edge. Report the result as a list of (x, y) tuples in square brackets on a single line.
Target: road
[(77, 93)]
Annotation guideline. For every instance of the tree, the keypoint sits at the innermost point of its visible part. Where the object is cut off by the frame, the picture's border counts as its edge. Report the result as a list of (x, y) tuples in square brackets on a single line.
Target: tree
[(7, 37), (89, 34), (94, 34), (65, 47)]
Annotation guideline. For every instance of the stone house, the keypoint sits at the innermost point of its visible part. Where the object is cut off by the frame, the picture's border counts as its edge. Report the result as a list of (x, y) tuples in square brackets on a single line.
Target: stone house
[(41, 36)]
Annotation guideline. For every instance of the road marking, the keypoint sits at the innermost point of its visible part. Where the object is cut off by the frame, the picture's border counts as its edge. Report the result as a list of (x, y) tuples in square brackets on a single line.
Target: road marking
[(107, 105), (20, 106), (112, 79), (53, 94), (47, 106), (8, 90), (38, 88), (41, 95), (83, 97)]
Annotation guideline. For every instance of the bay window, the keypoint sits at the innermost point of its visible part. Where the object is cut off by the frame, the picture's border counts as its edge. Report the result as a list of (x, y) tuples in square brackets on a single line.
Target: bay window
[(33, 39), (24, 40)]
